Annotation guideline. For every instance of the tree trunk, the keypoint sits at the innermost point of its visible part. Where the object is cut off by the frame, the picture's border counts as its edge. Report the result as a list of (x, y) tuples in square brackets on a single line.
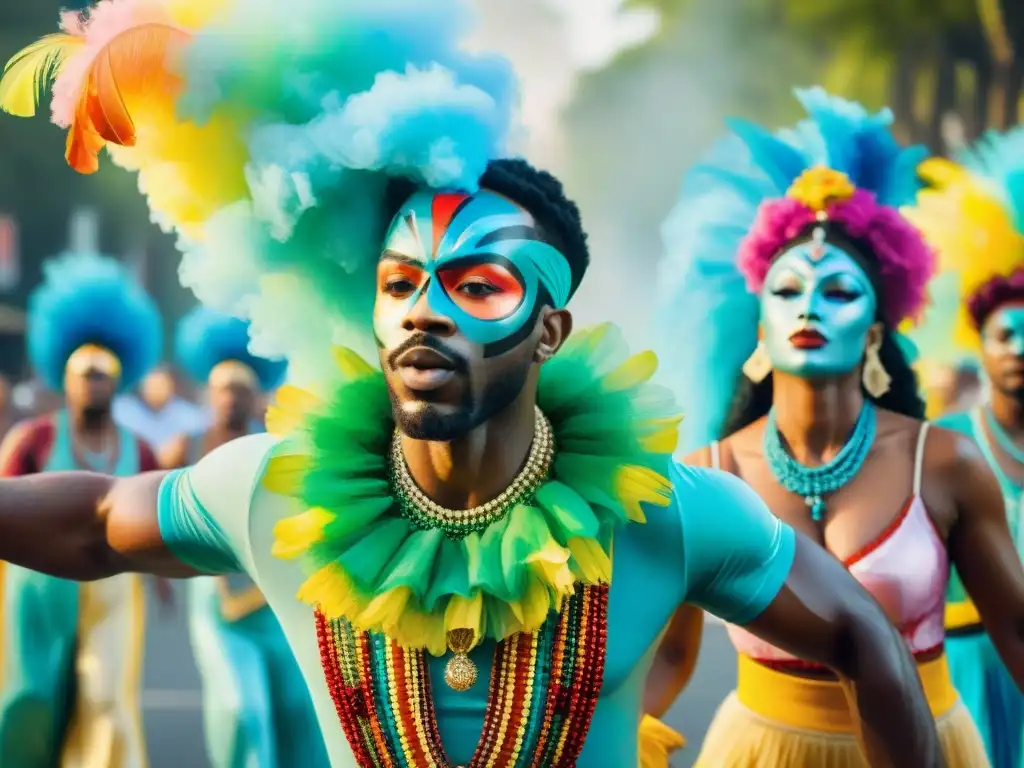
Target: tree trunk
[(1001, 55), (902, 99), (945, 101), (1013, 94), (979, 115), (999, 92)]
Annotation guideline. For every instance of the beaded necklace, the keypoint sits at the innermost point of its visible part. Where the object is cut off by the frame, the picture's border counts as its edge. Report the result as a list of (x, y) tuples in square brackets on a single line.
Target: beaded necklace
[(423, 512), (543, 692), (813, 483), (1002, 438)]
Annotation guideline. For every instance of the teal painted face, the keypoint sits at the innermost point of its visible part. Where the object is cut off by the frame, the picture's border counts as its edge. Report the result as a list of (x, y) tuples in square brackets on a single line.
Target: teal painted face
[(817, 307), (1003, 348), (478, 260), (461, 284)]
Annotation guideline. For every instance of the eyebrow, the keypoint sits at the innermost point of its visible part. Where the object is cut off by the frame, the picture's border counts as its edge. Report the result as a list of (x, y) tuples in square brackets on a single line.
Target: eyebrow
[(401, 258)]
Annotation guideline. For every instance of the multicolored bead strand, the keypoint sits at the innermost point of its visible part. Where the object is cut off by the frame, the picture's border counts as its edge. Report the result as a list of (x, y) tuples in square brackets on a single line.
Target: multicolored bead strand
[(543, 690)]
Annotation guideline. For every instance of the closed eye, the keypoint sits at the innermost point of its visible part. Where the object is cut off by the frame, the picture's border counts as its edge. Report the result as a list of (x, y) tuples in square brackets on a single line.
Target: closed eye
[(841, 294), (786, 292)]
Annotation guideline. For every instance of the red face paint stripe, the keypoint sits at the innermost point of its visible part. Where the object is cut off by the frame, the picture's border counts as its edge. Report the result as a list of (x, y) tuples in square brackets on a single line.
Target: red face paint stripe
[(442, 210)]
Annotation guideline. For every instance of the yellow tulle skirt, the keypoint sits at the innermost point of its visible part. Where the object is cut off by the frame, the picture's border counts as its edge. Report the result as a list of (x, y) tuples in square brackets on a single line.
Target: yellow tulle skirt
[(775, 720), (657, 743)]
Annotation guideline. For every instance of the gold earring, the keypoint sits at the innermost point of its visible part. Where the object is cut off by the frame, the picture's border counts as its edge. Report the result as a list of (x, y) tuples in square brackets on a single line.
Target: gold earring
[(758, 366), (875, 378)]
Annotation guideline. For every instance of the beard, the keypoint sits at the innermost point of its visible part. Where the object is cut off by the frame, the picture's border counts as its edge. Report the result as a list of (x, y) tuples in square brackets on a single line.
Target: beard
[(428, 421), (95, 415)]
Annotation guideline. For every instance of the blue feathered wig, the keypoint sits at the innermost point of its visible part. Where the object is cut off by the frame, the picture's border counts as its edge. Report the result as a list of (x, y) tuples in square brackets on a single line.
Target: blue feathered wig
[(85, 299), (206, 338)]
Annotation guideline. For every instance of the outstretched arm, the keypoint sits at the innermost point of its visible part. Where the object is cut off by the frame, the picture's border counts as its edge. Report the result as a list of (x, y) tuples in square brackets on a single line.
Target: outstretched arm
[(980, 545), (84, 526), (744, 565)]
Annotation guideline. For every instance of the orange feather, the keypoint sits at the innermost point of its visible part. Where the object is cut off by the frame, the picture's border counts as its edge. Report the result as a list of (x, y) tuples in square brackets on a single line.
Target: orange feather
[(133, 69)]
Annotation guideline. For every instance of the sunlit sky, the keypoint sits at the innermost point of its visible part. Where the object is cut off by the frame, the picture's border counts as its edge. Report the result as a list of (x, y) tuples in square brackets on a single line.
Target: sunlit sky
[(597, 29), (550, 43)]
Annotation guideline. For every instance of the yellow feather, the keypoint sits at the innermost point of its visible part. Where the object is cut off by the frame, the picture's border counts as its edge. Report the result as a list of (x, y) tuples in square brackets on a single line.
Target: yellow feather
[(939, 172), (632, 373), (32, 69), (351, 365)]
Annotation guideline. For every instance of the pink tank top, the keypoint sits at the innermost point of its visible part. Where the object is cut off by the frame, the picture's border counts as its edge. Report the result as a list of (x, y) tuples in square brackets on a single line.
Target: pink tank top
[(906, 569)]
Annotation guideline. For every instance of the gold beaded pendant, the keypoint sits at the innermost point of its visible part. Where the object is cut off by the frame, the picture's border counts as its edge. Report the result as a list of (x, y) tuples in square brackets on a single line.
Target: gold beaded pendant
[(460, 671)]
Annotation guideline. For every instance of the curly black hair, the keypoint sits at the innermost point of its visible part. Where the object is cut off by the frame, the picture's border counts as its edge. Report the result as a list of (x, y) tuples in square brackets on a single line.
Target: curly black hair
[(538, 192), (753, 400)]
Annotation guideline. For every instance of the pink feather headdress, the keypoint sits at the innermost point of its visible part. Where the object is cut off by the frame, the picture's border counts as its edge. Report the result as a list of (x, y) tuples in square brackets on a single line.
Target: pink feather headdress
[(905, 261)]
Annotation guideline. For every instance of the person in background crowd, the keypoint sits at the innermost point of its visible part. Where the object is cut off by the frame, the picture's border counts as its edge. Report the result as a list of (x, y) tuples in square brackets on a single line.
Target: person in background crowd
[(8, 413), (257, 710), (157, 413), (72, 652), (972, 214)]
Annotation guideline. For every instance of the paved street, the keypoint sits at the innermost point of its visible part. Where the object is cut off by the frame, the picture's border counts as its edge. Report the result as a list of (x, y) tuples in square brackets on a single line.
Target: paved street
[(174, 719)]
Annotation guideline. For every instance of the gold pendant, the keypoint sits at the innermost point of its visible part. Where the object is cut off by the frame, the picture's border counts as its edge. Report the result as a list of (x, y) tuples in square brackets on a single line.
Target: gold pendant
[(460, 672)]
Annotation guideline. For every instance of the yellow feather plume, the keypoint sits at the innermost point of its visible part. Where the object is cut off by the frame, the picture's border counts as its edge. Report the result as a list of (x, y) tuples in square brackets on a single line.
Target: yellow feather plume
[(970, 228), (32, 69)]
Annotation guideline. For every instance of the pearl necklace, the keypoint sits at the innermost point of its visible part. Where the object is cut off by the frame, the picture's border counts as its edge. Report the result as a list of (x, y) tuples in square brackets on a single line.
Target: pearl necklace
[(422, 511)]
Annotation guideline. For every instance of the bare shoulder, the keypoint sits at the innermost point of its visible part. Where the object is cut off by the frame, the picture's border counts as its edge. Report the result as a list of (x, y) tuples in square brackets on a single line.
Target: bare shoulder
[(742, 446), (949, 450), (891, 421), (30, 429)]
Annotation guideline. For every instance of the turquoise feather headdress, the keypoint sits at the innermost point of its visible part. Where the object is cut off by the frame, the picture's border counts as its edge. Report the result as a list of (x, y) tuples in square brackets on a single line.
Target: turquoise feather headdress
[(706, 316), (90, 299), (205, 339)]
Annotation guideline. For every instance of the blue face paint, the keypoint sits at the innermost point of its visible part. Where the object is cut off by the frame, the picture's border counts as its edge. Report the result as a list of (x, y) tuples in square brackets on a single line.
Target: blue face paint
[(816, 287), (1003, 334), (478, 260)]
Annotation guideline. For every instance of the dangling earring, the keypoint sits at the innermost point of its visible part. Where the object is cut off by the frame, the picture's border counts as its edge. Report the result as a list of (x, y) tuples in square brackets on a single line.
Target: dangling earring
[(758, 366), (875, 378)]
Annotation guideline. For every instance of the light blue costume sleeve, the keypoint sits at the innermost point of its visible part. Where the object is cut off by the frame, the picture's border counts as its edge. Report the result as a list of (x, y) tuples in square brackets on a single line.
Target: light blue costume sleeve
[(736, 554), (203, 511), (189, 530)]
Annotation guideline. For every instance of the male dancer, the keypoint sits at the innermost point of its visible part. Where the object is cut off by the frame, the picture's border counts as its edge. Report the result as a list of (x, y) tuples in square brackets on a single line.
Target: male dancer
[(257, 710), (91, 332), (972, 213), (453, 516)]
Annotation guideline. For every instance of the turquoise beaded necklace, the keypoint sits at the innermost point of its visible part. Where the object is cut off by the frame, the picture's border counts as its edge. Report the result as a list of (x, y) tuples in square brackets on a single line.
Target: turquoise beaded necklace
[(815, 482), (1005, 441)]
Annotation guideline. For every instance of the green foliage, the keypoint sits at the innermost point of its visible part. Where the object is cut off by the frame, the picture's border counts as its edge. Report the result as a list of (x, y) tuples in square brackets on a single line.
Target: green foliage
[(885, 25)]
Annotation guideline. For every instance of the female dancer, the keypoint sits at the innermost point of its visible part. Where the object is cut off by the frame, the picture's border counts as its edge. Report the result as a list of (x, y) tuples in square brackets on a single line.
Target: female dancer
[(795, 243), (257, 710), (973, 217)]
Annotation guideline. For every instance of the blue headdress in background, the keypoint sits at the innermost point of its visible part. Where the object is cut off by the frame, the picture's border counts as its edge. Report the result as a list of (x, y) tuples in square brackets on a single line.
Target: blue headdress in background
[(206, 338), (706, 317), (87, 299)]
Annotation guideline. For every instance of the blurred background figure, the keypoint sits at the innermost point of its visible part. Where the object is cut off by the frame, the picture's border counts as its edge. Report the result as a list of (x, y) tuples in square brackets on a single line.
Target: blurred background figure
[(72, 652), (257, 710), (156, 412)]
